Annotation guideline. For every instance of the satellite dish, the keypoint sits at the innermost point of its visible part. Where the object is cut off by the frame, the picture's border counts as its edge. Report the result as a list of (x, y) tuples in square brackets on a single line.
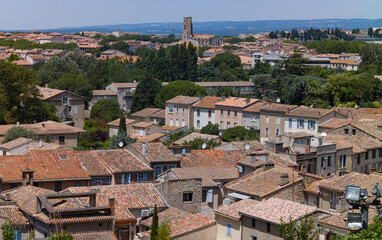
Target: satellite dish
[(246, 146), (120, 144), (220, 134), (323, 134), (278, 100), (204, 145)]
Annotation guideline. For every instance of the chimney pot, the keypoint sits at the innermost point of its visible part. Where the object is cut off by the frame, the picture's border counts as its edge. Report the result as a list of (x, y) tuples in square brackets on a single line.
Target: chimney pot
[(111, 205)]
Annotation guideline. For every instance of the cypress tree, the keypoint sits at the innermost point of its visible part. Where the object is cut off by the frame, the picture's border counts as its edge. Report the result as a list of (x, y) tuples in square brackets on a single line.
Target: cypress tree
[(122, 124), (154, 225)]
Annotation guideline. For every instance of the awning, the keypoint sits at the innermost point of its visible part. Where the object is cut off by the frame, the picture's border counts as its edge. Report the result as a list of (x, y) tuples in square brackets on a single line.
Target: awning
[(238, 195)]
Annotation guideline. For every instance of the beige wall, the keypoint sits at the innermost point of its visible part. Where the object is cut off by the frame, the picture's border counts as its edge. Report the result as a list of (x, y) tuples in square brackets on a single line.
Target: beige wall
[(221, 228), (271, 125), (208, 233), (325, 201), (260, 230), (294, 192), (70, 139), (187, 116), (349, 163), (225, 118)]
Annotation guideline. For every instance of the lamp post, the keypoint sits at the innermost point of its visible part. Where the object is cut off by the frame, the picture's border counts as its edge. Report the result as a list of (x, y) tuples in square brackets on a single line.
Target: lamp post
[(358, 199)]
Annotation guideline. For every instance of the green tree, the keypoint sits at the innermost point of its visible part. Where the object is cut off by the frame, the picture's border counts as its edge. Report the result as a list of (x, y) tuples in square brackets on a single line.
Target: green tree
[(145, 93), (121, 46), (123, 138), (13, 57), (211, 129), (260, 68), (226, 60), (122, 124), (301, 229), (374, 231), (371, 54), (106, 109), (62, 236), (154, 225), (173, 89), (370, 32), (197, 143), (17, 132), (8, 232), (78, 84), (164, 231), (238, 133)]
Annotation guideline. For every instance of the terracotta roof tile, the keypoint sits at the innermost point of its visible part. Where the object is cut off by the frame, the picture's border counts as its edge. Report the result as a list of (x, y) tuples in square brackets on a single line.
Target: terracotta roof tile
[(156, 152), (94, 236), (183, 100), (307, 112), (207, 102), (255, 108), (115, 123), (358, 143), (92, 164), (15, 143), (236, 102), (276, 107), (147, 112), (159, 114), (205, 158), (195, 135), (143, 124), (232, 210), (104, 93), (14, 215), (273, 209), (262, 183)]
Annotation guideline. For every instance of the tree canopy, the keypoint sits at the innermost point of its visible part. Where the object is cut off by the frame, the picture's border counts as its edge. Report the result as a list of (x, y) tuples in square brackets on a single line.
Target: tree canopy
[(78, 84), (145, 93), (17, 132), (106, 109)]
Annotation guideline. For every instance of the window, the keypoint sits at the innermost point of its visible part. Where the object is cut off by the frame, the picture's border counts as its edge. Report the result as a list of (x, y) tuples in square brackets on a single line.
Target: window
[(63, 157), (333, 200), (277, 131), (266, 119), (75, 109), (157, 171), (268, 227), (52, 138), (322, 162), (374, 153), (312, 124), (235, 113), (228, 113), (253, 238), (277, 120), (97, 182), (358, 159), (221, 124), (329, 161), (170, 108), (177, 121), (65, 101), (228, 124), (13, 185), (126, 177), (235, 124), (69, 111), (183, 110), (346, 131), (229, 230), (290, 122), (187, 197), (78, 184), (183, 123), (177, 110), (148, 131), (61, 139), (367, 155), (209, 113), (142, 177), (253, 222), (198, 112), (57, 186), (354, 131), (221, 113), (266, 132), (198, 124), (300, 123), (204, 195), (171, 122)]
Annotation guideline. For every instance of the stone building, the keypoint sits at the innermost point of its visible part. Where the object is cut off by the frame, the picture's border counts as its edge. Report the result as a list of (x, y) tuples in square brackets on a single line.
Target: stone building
[(187, 29)]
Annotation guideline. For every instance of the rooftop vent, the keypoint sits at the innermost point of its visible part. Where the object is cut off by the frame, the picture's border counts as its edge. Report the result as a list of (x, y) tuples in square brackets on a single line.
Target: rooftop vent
[(64, 157)]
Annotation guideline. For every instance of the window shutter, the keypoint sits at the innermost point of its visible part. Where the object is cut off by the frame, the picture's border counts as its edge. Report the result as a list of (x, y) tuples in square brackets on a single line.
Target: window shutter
[(229, 229), (209, 195), (308, 124)]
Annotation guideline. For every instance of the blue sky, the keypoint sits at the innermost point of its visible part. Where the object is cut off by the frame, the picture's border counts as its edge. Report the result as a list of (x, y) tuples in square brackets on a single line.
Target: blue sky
[(41, 14)]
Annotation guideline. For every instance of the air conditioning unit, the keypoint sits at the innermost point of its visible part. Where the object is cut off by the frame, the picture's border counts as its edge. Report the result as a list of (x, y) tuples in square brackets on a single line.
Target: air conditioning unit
[(145, 213), (240, 169), (227, 201)]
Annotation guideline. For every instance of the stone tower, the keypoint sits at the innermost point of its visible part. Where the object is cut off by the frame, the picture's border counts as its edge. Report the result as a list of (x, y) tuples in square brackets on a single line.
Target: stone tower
[(187, 29)]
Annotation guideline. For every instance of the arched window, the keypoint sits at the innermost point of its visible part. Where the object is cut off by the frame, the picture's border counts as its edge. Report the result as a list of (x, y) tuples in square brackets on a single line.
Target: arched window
[(65, 101)]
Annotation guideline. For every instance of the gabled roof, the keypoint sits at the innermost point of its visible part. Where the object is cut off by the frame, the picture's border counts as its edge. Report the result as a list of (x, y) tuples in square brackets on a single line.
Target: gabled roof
[(92, 164), (207, 102), (276, 107), (307, 112), (126, 196), (156, 152), (209, 175), (159, 114), (263, 183), (272, 157), (142, 124), (273, 209), (232, 210), (183, 100), (59, 164), (237, 102), (15, 143), (182, 223), (48, 93), (335, 123), (120, 161), (14, 215), (115, 123), (147, 112), (210, 158), (359, 143), (255, 108), (43, 128)]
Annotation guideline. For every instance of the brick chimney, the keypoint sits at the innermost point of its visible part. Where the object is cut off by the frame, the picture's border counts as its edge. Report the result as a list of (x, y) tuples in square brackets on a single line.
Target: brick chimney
[(25, 173), (267, 166), (284, 179), (112, 205)]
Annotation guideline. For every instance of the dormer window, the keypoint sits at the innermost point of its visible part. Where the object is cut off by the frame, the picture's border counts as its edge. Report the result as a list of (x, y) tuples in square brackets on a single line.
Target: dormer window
[(65, 101), (64, 157)]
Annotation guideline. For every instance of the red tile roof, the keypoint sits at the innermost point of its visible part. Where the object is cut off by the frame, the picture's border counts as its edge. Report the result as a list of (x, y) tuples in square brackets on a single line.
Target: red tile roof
[(207, 102), (43, 128), (147, 112), (307, 112), (183, 100), (156, 152), (205, 158), (237, 102), (14, 215), (232, 210), (59, 164), (94, 236), (92, 164), (273, 209)]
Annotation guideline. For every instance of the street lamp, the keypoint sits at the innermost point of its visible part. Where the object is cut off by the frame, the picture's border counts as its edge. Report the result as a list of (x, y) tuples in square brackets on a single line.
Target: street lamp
[(358, 199)]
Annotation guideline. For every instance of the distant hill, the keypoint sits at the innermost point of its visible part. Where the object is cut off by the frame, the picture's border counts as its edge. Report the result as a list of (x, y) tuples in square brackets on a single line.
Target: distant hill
[(224, 28)]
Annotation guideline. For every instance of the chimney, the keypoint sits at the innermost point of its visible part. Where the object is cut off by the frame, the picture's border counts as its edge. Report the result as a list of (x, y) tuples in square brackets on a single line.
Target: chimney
[(40, 142), (18, 124), (268, 166), (222, 98), (247, 100), (144, 148), (25, 173), (111, 205), (46, 85), (284, 179)]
